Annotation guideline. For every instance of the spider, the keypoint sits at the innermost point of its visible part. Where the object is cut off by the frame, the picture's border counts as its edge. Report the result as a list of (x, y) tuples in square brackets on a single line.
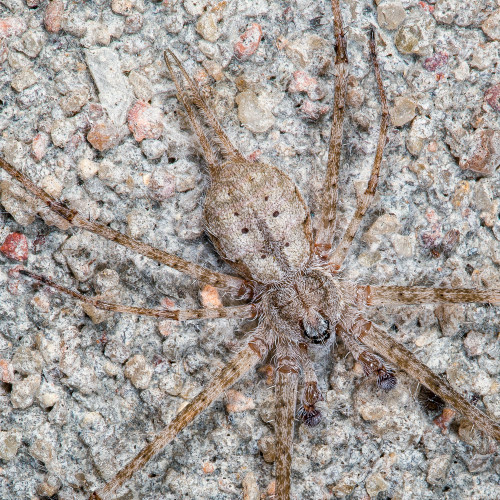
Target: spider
[(288, 278)]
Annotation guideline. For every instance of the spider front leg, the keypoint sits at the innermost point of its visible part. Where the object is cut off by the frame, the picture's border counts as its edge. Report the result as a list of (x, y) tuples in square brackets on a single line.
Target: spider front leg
[(382, 343), (405, 295), (235, 369), (366, 198), (327, 218)]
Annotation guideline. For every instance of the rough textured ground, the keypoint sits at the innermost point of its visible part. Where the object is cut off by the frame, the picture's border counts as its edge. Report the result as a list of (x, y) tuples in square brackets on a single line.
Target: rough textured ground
[(79, 399)]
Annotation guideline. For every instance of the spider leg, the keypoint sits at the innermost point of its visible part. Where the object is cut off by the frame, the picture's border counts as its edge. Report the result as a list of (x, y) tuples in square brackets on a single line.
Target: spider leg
[(366, 198), (208, 152), (219, 280), (286, 398), (327, 219), (399, 295), (381, 342), (238, 312), (222, 139), (234, 370)]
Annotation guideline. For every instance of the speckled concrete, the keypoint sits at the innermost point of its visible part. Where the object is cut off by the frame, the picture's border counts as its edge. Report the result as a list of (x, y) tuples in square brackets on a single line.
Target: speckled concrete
[(88, 396)]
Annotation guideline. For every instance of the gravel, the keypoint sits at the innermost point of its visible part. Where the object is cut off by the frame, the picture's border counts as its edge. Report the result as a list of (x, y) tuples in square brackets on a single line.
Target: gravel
[(88, 111)]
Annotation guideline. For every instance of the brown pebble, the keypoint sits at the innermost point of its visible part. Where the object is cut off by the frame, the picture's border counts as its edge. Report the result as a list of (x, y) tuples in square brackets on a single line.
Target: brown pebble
[(303, 82), (485, 152), (209, 297), (492, 97), (39, 146), (145, 121), (12, 26), (208, 468), (248, 42), (6, 371), (15, 247), (103, 136), (444, 420), (237, 402), (312, 111), (53, 16)]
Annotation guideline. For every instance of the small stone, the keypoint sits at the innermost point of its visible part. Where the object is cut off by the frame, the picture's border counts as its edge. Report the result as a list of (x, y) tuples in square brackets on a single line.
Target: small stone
[(404, 246), (436, 61), (27, 361), (145, 121), (111, 174), (62, 131), (42, 450), (194, 7), (492, 96), (250, 487), (484, 156), (375, 483), (23, 391), (450, 317), (444, 420), (267, 446), (153, 149), (141, 86), (49, 487), (15, 247), (207, 27), (74, 101), (390, 15), (161, 185), (9, 444), (252, 114), (48, 399), (248, 42), (51, 185), (437, 469), (139, 223), (33, 42), (103, 136), (462, 72), (416, 34), (445, 11), (133, 23), (111, 369), (6, 371), (303, 82), (475, 343), (24, 79), (53, 16), (385, 224), (39, 145), (138, 371), (83, 380), (237, 402), (491, 26), (209, 297), (123, 7), (87, 168), (313, 111), (12, 26), (420, 131), (403, 111)]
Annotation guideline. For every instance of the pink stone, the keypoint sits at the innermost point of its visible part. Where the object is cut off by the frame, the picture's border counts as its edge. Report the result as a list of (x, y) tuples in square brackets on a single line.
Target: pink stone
[(6, 371), (39, 145), (303, 82), (210, 297), (103, 136), (15, 247), (484, 152), (53, 16), (312, 110), (248, 42), (145, 121), (237, 402), (436, 61), (492, 97), (12, 26)]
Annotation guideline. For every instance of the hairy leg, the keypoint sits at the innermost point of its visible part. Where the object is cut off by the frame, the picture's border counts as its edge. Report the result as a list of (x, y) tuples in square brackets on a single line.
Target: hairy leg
[(382, 343), (286, 398), (400, 295), (220, 280), (234, 370), (327, 218), (366, 198), (228, 150)]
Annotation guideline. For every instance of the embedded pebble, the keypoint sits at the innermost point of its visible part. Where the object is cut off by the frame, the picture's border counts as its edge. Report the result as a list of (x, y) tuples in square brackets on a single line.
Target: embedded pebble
[(27, 361), (248, 42), (403, 111), (24, 79), (375, 483), (133, 23), (209, 297), (416, 34), (437, 469), (123, 7), (10, 441), (484, 152), (53, 16), (267, 446), (87, 168), (117, 351), (450, 317), (115, 94), (237, 402), (104, 135), (436, 61), (49, 487), (390, 15), (15, 247), (303, 82), (491, 25), (475, 343), (6, 371), (83, 380), (420, 131), (39, 145), (23, 391), (194, 7), (12, 26), (74, 101), (145, 121), (161, 184), (385, 224), (252, 114), (492, 96), (207, 27), (250, 487), (42, 450), (138, 371), (141, 86)]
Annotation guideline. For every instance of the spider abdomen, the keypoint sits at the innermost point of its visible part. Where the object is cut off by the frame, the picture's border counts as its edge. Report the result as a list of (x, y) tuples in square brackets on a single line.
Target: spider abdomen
[(258, 221)]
